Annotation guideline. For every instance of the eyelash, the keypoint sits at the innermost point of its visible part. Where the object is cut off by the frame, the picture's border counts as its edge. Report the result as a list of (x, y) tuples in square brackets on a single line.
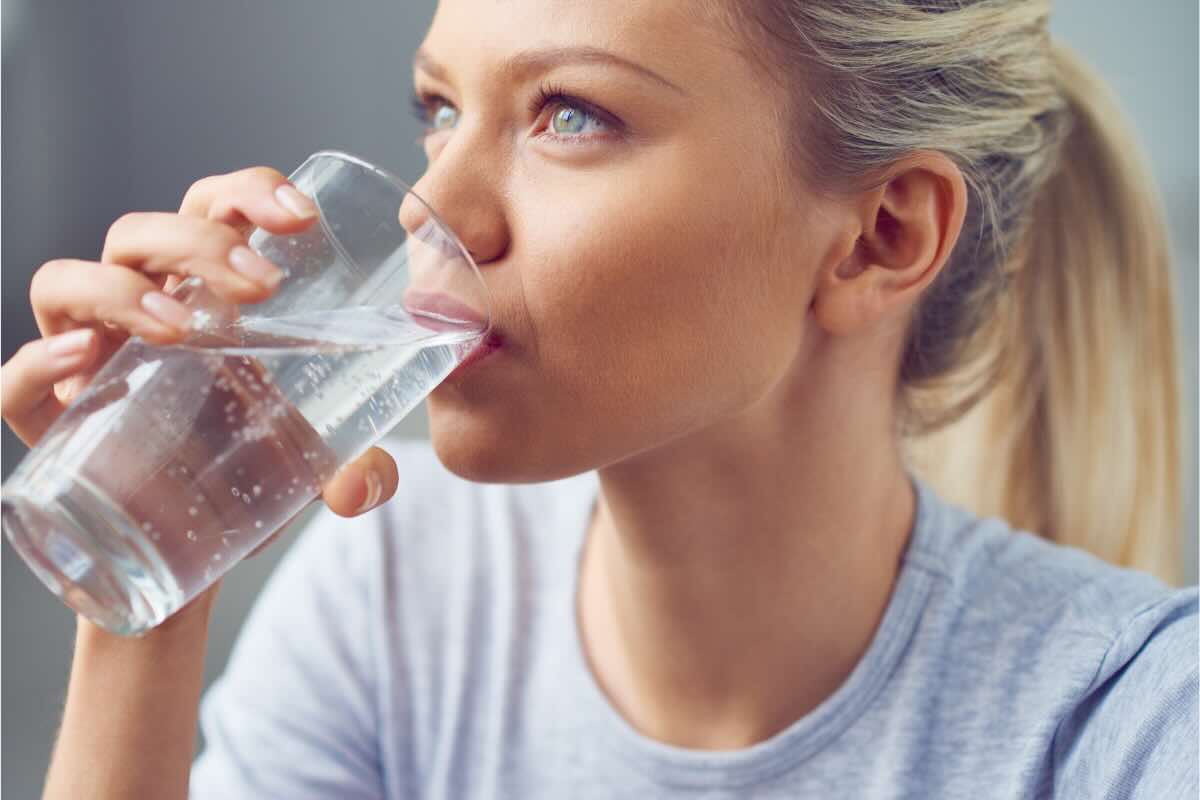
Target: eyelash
[(425, 104)]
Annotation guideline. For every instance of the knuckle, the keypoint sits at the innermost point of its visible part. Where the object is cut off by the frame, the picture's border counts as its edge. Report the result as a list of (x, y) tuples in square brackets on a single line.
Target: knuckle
[(27, 351), (198, 188), (264, 173), (130, 219), (121, 228), (43, 276), (263, 179)]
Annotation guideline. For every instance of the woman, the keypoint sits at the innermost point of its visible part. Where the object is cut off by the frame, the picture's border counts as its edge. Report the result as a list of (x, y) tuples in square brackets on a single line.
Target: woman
[(776, 282)]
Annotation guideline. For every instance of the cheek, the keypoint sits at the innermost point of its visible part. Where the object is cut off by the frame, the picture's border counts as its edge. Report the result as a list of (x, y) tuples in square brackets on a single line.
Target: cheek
[(656, 297), (652, 305)]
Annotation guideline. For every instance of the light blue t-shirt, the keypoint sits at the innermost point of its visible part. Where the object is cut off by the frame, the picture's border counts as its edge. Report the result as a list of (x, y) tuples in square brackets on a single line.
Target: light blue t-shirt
[(429, 649)]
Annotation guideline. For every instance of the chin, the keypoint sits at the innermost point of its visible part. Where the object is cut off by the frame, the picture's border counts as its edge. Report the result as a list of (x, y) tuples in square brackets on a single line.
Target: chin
[(478, 447)]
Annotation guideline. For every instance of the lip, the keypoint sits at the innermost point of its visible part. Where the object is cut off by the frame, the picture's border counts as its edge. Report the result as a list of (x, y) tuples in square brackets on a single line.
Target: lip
[(448, 312), (488, 345)]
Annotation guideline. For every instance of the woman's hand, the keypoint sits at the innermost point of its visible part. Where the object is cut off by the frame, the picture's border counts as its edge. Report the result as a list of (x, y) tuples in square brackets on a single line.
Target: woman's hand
[(85, 310)]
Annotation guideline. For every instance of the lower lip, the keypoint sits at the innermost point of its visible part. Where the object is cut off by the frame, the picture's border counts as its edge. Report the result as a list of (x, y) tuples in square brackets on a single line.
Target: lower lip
[(482, 350)]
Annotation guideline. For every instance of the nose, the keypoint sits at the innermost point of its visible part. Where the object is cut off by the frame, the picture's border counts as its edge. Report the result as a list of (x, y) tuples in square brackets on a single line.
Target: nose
[(458, 188)]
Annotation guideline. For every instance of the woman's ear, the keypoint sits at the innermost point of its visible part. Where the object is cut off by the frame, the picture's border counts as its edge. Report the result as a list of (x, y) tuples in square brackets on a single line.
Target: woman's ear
[(908, 226)]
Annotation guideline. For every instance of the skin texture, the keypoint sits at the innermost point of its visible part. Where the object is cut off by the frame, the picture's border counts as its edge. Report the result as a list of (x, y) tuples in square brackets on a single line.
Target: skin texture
[(718, 339)]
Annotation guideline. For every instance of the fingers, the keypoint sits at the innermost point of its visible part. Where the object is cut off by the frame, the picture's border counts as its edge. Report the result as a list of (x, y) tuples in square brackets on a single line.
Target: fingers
[(67, 293), (362, 484), (158, 243), (255, 196), (27, 399)]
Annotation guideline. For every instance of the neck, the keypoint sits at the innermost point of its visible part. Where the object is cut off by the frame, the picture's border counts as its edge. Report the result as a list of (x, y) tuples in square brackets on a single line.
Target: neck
[(733, 578)]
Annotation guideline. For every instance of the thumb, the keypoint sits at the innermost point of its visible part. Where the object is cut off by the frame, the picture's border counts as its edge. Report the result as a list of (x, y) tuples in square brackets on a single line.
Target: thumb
[(363, 484)]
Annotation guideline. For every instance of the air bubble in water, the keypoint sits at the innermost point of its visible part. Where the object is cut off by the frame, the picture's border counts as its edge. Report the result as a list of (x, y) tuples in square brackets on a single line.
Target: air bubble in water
[(257, 490), (192, 511), (295, 481), (258, 523), (191, 535), (216, 556), (291, 491), (246, 499), (235, 491)]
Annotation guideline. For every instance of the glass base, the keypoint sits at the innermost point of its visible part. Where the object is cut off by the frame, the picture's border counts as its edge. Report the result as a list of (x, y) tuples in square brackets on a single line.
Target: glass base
[(88, 554)]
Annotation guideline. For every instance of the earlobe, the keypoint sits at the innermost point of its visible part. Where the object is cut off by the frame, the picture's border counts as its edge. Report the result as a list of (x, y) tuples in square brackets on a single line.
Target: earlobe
[(843, 301), (909, 224)]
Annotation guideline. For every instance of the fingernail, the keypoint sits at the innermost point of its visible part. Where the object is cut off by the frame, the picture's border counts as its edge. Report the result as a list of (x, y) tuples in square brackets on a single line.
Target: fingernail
[(374, 491), (296, 203), (70, 344), (254, 266), (168, 310)]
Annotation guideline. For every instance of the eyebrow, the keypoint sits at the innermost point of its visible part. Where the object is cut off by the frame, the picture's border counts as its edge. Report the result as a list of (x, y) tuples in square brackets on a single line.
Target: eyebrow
[(543, 60)]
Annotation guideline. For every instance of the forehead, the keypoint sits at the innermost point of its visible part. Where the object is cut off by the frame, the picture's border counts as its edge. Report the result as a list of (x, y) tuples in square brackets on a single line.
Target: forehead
[(683, 37)]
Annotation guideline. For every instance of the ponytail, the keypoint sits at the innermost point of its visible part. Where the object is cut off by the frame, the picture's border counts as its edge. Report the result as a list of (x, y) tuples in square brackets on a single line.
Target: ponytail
[(1080, 439), (1039, 381)]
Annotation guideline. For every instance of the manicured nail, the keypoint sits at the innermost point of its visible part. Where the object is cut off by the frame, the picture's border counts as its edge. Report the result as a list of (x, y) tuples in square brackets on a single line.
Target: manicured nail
[(255, 267), (374, 491), (66, 345), (168, 310), (296, 203)]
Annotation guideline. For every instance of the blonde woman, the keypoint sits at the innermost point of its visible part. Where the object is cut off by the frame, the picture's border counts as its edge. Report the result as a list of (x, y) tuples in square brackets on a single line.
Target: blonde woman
[(834, 336)]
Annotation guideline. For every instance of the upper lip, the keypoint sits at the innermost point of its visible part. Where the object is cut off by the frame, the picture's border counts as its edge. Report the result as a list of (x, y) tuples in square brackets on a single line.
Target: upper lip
[(449, 308)]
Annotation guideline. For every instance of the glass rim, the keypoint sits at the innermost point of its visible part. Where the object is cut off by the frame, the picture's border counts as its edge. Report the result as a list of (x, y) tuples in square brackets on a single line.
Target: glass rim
[(398, 183)]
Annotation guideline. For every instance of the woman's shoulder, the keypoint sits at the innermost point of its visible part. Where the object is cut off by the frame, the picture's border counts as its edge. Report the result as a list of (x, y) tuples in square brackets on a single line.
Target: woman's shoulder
[(994, 572), (1056, 646)]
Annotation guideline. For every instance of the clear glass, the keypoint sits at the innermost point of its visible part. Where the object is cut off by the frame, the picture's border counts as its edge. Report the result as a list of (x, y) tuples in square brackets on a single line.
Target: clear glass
[(176, 462)]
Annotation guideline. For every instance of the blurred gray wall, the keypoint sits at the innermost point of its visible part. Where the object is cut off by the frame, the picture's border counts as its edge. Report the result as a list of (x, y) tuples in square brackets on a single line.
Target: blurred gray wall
[(118, 106)]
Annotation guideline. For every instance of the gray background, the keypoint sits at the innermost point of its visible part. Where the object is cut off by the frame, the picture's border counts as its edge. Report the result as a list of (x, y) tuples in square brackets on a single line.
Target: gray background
[(118, 106)]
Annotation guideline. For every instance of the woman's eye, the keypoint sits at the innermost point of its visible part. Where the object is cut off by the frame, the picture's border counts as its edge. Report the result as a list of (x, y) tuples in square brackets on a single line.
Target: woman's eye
[(444, 116), (434, 113), (572, 120)]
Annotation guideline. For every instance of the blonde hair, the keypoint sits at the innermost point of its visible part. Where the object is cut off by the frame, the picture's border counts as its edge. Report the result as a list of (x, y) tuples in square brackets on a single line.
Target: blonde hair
[(1040, 379)]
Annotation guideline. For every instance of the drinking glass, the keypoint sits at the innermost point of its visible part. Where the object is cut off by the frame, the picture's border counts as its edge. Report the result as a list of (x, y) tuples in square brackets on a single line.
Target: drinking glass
[(176, 462)]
